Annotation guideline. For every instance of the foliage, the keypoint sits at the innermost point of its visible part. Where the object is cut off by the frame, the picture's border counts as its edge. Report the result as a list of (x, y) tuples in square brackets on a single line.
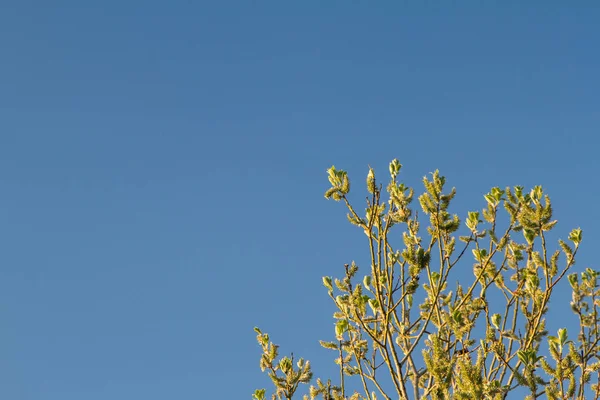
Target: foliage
[(402, 330)]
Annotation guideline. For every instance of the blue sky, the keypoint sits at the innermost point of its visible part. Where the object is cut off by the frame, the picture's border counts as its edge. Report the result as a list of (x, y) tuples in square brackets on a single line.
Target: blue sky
[(163, 168)]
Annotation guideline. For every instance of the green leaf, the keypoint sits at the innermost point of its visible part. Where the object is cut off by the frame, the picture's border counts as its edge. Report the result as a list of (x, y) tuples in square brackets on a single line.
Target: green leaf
[(529, 235), (496, 319), (536, 193), (573, 281), (330, 192), (575, 236), (523, 357), (480, 254), (457, 316), (285, 364), (490, 199), (259, 394), (327, 283), (333, 176), (472, 220), (341, 327), (395, 168), (562, 336), (374, 304), (367, 281)]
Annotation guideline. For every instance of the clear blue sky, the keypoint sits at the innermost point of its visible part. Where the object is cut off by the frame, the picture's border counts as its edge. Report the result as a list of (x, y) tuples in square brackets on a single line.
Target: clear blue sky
[(163, 167)]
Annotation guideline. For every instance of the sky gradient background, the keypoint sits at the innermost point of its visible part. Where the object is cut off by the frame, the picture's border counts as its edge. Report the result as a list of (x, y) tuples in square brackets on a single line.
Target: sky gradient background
[(163, 168)]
